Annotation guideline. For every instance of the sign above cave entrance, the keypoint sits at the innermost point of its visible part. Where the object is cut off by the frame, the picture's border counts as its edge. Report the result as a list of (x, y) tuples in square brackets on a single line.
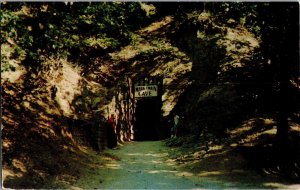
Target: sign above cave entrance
[(145, 91), (147, 87)]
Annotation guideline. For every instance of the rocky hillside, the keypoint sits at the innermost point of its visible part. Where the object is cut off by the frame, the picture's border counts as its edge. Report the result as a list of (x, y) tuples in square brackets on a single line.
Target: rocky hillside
[(62, 63)]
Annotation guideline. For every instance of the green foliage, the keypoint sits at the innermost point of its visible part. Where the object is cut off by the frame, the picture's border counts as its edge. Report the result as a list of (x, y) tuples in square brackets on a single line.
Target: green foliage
[(234, 13), (235, 10), (8, 21), (102, 43), (76, 30), (5, 66)]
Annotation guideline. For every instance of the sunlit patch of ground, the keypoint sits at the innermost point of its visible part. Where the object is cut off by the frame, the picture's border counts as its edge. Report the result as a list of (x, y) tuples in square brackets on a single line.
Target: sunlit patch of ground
[(244, 156), (157, 25)]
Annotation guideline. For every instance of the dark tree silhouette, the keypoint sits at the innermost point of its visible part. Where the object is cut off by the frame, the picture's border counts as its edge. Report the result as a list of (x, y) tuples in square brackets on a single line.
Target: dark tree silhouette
[(279, 23)]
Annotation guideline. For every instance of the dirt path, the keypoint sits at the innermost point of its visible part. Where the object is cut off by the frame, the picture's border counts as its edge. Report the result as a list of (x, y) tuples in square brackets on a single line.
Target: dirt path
[(147, 165), (143, 166)]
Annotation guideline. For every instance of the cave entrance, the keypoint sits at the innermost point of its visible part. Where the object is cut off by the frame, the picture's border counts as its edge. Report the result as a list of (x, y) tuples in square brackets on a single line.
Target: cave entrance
[(147, 115), (138, 103), (147, 92)]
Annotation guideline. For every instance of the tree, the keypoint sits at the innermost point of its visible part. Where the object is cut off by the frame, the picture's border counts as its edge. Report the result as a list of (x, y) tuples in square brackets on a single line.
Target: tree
[(279, 24)]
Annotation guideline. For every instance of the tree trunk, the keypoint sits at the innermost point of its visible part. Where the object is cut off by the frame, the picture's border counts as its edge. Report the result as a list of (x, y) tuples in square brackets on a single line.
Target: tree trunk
[(283, 111)]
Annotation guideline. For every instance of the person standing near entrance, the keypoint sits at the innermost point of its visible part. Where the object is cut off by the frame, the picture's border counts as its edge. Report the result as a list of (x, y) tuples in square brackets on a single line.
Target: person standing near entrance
[(111, 135), (175, 127)]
